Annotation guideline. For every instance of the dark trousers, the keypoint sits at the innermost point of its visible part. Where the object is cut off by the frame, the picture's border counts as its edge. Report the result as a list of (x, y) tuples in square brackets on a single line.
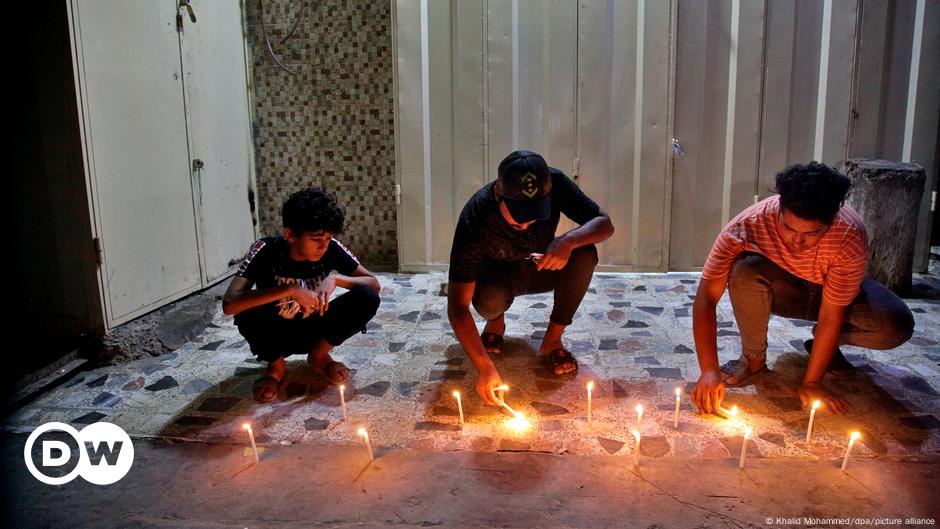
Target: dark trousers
[(498, 284), (876, 319), (272, 337)]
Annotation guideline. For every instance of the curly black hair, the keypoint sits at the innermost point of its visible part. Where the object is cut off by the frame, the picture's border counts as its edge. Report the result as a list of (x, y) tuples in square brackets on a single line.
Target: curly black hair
[(813, 191), (312, 209)]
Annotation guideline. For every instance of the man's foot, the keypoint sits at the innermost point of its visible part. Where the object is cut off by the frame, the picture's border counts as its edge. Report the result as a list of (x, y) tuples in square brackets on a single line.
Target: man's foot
[(265, 388), (839, 366), (561, 362), (335, 372), (736, 373), (492, 335)]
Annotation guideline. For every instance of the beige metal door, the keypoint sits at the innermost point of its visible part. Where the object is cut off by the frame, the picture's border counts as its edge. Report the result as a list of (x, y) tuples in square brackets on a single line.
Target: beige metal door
[(584, 83), (216, 88), (134, 131)]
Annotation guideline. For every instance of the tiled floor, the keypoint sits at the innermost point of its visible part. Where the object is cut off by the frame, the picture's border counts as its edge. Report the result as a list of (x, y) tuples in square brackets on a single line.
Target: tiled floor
[(632, 336)]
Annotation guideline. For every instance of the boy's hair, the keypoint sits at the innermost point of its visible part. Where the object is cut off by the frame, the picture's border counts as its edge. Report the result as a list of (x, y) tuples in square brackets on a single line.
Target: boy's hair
[(813, 191), (312, 209)]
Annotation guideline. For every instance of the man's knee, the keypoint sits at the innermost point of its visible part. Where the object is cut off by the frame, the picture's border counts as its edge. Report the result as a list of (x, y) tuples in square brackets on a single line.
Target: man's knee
[(491, 302), (584, 256), (748, 268), (898, 326)]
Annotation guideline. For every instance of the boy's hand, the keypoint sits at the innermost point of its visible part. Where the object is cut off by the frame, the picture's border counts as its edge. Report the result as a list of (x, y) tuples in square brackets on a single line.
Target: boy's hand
[(323, 292), (810, 392), (307, 298), (556, 255)]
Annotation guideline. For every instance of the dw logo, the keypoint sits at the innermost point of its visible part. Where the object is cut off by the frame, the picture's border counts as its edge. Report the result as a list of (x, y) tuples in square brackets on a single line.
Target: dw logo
[(105, 454)]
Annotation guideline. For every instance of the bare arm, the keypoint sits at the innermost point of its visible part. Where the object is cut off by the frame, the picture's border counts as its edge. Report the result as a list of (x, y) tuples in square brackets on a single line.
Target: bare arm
[(459, 296), (825, 343), (240, 297), (594, 231), (710, 390), (360, 276)]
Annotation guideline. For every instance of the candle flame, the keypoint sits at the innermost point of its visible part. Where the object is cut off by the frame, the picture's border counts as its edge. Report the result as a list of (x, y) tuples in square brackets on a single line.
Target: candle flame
[(456, 394), (504, 387), (518, 423), (678, 392), (363, 432), (733, 411), (246, 426), (590, 385), (636, 435), (855, 435), (639, 409), (816, 404), (342, 387)]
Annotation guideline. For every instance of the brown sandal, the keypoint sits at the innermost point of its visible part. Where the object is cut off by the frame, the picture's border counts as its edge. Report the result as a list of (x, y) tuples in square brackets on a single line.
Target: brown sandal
[(492, 342)]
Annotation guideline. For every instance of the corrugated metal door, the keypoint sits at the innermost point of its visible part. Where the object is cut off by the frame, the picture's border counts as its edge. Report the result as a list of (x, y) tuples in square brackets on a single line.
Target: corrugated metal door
[(584, 81)]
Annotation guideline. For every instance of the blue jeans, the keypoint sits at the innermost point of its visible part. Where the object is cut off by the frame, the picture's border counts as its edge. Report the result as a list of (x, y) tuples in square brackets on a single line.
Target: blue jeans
[(876, 319)]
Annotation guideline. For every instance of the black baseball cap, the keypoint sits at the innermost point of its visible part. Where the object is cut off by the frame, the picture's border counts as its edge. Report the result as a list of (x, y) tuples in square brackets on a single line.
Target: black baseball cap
[(525, 184)]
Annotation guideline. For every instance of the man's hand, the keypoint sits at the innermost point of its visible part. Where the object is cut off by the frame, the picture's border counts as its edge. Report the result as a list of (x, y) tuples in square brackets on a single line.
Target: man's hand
[(709, 391), (323, 291), (487, 382), (556, 255), (810, 392)]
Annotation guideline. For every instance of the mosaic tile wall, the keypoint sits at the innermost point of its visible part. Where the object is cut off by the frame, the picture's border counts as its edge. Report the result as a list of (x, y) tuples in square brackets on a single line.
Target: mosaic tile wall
[(332, 124)]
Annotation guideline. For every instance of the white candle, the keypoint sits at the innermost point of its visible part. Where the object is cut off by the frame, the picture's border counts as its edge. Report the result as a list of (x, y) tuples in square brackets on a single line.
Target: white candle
[(852, 438), (812, 415), (459, 406), (675, 421), (365, 436), (342, 399), (747, 433), (251, 436), (590, 386), (733, 412), (502, 391), (639, 415), (636, 451)]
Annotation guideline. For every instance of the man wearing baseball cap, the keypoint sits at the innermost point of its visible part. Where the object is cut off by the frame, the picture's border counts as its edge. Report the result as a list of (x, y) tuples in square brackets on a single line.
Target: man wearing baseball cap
[(505, 246)]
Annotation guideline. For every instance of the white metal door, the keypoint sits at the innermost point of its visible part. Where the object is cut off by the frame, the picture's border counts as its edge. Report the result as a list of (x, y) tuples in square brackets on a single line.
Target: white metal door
[(215, 81), (584, 83), (134, 132)]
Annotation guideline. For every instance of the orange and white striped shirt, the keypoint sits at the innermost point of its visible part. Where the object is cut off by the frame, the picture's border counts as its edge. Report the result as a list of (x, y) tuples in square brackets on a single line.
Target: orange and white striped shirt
[(837, 262)]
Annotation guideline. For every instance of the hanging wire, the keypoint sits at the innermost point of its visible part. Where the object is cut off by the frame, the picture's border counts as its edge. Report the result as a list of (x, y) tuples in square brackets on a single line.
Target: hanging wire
[(267, 38)]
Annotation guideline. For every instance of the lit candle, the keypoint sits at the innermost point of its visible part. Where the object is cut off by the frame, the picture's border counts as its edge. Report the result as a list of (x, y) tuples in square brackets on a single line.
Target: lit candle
[(342, 399), (251, 436), (675, 421), (639, 415), (636, 451), (459, 406), (590, 386), (502, 390), (852, 438), (747, 433), (365, 436), (812, 415), (733, 412)]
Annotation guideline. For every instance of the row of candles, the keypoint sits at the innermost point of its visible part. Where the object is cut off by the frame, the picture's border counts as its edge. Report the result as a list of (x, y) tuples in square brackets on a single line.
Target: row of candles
[(519, 421)]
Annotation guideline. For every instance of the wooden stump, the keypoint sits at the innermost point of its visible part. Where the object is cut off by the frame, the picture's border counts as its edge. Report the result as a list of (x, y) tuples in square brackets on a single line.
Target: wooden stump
[(887, 196)]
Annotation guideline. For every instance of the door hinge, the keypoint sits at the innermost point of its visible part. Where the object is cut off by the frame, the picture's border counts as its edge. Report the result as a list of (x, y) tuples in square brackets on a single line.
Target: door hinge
[(98, 251), (933, 201), (397, 194), (575, 167)]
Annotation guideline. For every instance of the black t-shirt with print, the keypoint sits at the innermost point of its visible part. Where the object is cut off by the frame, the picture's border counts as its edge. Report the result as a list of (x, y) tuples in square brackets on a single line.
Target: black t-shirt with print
[(483, 234), (269, 264)]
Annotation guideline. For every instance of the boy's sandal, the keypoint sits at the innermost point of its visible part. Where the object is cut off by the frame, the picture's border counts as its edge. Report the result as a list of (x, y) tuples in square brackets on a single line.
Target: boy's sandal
[(261, 387), (839, 366), (336, 373), (492, 342), (735, 373), (558, 358)]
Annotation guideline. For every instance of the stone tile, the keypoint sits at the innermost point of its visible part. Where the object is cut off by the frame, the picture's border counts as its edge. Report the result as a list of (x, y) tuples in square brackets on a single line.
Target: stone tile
[(611, 446), (726, 332), (654, 446), (218, 404), (670, 373), (135, 384), (683, 349), (634, 324), (194, 420), (432, 426), (164, 383), (196, 386), (89, 418), (921, 422), (915, 383), (212, 346), (733, 445), (376, 389), (97, 382), (646, 360), (315, 424), (153, 368), (546, 409), (655, 311)]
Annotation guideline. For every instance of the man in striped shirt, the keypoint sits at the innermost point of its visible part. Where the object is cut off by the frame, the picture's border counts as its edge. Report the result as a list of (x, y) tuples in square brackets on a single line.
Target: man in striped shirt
[(799, 254)]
